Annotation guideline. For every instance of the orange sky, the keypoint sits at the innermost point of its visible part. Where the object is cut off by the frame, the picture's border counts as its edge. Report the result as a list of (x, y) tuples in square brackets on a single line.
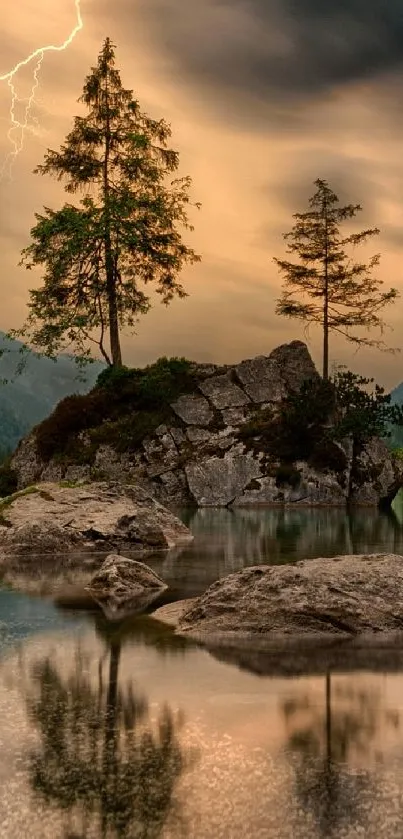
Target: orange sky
[(260, 106)]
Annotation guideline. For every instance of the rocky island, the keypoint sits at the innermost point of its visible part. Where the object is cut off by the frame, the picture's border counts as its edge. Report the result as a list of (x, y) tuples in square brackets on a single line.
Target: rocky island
[(205, 435)]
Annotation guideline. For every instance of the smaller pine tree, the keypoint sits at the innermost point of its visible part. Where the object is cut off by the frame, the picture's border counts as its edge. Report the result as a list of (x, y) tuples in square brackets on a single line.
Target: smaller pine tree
[(343, 296)]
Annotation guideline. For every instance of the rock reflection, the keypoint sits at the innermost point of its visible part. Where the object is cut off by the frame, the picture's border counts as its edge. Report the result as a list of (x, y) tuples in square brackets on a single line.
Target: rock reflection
[(323, 745), (228, 540), (108, 767)]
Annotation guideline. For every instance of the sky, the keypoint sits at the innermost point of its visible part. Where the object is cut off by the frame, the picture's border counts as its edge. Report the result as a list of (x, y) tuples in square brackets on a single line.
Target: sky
[(264, 97)]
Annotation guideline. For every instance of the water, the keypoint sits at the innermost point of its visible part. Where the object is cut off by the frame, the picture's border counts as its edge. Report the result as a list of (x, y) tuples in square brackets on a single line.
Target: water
[(112, 731)]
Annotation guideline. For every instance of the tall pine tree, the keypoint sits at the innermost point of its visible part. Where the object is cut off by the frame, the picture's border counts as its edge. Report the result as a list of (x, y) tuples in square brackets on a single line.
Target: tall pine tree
[(99, 257), (342, 294)]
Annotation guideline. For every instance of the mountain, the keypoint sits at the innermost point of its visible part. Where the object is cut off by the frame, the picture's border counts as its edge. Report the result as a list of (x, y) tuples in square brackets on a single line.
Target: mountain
[(31, 396)]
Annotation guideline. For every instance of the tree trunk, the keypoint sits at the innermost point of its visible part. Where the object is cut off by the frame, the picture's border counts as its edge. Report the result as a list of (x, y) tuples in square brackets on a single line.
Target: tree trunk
[(326, 306), (116, 353), (108, 789), (325, 346), (328, 719)]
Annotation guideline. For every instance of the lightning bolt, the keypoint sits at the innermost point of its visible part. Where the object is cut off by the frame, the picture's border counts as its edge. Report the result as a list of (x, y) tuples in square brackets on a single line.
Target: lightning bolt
[(18, 128)]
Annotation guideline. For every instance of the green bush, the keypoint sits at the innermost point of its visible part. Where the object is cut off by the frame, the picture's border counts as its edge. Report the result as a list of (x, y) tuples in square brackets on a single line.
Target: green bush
[(328, 455), (112, 376), (293, 432), (71, 416), (125, 406), (287, 474), (8, 479)]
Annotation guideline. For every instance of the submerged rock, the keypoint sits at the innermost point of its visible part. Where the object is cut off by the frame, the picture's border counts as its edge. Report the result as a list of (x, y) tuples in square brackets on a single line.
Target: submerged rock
[(340, 597), (104, 516), (124, 586)]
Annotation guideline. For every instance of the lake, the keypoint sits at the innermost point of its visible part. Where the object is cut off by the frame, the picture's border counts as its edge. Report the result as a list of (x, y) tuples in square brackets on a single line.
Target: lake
[(111, 731)]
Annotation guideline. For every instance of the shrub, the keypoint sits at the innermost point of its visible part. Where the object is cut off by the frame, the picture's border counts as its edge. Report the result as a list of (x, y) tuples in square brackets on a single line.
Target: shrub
[(112, 376), (328, 455), (125, 406), (287, 474), (298, 426), (8, 479), (71, 416)]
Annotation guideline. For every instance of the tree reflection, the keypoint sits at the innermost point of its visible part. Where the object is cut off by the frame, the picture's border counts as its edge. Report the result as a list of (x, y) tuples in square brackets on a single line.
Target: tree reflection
[(106, 765), (323, 742)]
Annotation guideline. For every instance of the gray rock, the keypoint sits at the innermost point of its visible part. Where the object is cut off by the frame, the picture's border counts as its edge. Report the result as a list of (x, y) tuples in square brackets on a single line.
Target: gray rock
[(377, 474), (295, 364), (26, 461), (270, 378), (123, 586), (339, 597), (222, 392), (194, 410), (161, 454), (314, 488), (94, 517), (198, 435), (177, 435), (234, 416), (171, 612), (216, 481), (262, 379)]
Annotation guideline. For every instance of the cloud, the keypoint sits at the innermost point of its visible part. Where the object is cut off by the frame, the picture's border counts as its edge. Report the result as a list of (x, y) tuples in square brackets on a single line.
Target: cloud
[(276, 53)]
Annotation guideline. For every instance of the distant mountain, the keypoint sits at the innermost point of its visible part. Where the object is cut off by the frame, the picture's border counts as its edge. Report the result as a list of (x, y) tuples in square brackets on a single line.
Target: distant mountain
[(30, 397)]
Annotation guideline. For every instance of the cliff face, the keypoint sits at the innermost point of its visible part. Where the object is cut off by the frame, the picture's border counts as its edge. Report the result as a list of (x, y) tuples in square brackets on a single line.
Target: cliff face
[(200, 454)]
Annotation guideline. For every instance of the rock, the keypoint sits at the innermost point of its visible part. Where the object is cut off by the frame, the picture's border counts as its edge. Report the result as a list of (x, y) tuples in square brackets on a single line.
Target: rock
[(314, 488), (270, 378), (295, 363), (222, 392), (201, 451), (99, 516), (161, 455), (172, 612), (340, 597), (124, 586), (198, 435), (262, 379), (177, 435), (26, 461), (234, 416), (216, 481), (194, 410), (376, 474)]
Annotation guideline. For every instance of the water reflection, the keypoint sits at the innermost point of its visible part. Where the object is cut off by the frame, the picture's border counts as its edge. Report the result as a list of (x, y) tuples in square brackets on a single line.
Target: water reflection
[(325, 740), (227, 540), (102, 760), (93, 745)]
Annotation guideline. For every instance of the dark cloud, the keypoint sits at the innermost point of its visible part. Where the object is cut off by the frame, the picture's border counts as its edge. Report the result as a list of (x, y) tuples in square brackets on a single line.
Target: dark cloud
[(353, 180), (278, 50)]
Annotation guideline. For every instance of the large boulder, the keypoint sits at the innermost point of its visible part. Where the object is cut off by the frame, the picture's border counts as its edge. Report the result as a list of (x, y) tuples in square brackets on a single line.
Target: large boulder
[(124, 586), (104, 516), (340, 597)]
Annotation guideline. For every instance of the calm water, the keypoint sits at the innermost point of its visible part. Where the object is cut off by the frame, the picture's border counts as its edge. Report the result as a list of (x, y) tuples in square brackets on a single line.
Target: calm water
[(129, 731)]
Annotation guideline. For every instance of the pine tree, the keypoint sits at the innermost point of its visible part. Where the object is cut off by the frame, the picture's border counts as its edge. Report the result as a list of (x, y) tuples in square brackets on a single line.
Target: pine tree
[(99, 257), (343, 295)]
